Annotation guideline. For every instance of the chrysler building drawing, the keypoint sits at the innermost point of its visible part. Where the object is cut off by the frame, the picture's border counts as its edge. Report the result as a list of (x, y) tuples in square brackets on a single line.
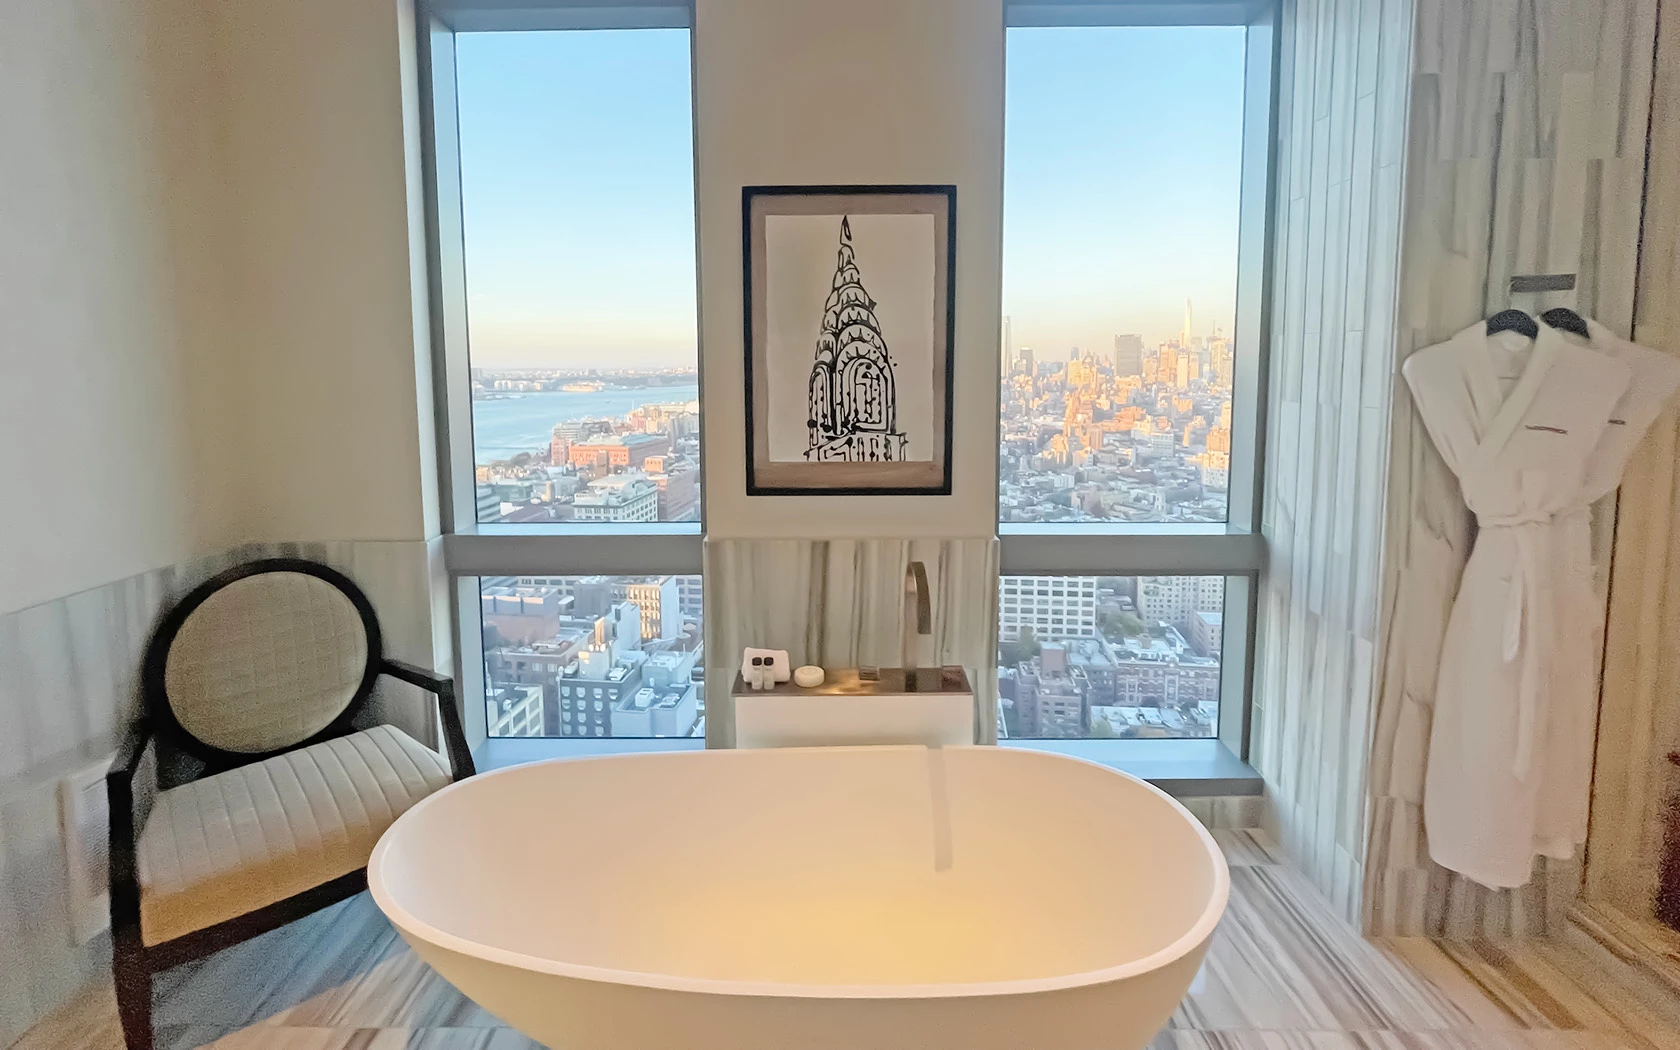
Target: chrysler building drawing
[(853, 396)]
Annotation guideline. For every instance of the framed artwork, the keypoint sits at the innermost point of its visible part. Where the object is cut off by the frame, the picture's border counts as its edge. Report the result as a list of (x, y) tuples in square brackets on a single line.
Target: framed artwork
[(849, 319)]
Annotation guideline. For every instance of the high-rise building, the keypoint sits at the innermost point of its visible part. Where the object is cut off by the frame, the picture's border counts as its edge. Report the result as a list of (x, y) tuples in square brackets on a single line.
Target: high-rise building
[(688, 596), (660, 606), (1128, 354), (1184, 339), (1174, 599), (1220, 359), (655, 712), (1168, 373), (513, 710), (1053, 606), (1207, 632), (1047, 701), (1027, 360), (522, 615), (1008, 347), (618, 497)]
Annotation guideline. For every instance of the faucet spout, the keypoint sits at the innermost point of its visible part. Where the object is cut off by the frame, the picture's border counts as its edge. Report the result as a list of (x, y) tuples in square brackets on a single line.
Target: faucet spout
[(918, 614)]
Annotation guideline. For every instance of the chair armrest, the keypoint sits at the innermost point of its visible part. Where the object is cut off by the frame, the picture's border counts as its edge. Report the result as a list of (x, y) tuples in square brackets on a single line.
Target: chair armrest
[(442, 687), (125, 821)]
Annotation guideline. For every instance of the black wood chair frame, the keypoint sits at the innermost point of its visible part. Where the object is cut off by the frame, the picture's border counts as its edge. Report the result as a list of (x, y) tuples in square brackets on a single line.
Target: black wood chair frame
[(133, 962)]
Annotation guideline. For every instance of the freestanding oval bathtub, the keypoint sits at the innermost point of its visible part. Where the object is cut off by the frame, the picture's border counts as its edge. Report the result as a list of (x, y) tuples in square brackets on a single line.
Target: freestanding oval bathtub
[(867, 897)]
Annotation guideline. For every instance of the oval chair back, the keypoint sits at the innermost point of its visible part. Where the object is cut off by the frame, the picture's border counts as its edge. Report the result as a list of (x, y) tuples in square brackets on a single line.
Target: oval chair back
[(266, 657)]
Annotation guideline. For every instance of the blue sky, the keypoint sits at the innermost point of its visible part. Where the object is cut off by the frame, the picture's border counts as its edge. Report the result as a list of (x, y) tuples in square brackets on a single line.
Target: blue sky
[(1120, 171)]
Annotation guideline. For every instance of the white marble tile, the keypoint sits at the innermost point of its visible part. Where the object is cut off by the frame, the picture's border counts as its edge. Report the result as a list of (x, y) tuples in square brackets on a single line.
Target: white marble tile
[(1332, 360), (1551, 88)]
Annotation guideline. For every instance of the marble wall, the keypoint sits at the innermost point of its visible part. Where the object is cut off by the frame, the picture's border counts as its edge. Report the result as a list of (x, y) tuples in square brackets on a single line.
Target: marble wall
[(67, 689), (840, 603), (1639, 715), (1341, 138), (1526, 155)]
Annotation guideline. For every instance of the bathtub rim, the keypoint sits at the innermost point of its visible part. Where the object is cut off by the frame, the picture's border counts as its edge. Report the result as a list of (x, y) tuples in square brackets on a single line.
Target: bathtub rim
[(1188, 942)]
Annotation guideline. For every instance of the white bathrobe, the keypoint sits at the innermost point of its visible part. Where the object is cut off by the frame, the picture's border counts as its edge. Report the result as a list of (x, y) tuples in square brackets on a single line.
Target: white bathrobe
[(1519, 423)]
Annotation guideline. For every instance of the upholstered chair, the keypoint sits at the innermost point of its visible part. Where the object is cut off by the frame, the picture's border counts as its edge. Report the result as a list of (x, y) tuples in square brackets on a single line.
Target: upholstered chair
[(246, 796)]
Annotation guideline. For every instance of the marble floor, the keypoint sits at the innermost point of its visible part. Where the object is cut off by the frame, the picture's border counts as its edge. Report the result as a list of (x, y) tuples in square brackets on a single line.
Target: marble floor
[(1283, 974)]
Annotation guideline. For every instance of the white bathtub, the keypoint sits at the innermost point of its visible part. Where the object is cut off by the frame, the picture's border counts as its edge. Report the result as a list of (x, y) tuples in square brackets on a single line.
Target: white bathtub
[(970, 897)]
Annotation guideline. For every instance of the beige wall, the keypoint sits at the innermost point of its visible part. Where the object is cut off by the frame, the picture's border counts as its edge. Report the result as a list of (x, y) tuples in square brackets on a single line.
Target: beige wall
[(327, 372), (106, 291), (811, 91), (212, 332)]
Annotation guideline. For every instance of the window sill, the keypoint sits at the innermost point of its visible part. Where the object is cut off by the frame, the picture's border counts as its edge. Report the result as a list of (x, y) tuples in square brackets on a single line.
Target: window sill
[(1121, 528), (1181, 768)]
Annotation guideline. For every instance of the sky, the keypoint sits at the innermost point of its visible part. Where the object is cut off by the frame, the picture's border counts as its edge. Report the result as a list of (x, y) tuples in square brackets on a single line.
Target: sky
[(1121, 177)]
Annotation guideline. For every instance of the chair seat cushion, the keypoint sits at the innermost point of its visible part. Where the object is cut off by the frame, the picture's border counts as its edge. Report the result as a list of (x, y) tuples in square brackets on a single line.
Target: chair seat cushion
[(228, 844)]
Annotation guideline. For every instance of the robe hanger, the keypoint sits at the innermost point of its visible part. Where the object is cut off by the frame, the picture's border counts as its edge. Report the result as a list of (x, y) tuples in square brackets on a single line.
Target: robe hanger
[(1513, 321), (1566, 320)]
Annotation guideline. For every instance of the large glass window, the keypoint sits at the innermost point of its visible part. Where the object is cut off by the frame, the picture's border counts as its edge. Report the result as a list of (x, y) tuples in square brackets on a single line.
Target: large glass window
[(577, 212), (1136, 173), (1122, 184), (596, 656)]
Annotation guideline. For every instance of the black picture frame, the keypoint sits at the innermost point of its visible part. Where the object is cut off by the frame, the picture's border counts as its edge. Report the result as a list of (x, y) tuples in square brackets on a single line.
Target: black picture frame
[(851, 478)]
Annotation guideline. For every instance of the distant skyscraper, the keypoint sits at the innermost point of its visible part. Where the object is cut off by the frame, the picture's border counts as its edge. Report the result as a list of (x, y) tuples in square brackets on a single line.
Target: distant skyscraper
[(1008, 347), (1027, 359), (1128, 355), (1168, 371), (1184, 341), (1221, 361)]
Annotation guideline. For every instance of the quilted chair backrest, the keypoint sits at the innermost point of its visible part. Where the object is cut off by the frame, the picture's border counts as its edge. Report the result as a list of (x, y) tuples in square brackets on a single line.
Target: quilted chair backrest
[(263, 658)]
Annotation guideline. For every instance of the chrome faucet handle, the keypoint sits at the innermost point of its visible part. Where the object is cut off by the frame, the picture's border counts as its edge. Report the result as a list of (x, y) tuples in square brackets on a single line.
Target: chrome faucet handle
[(916, 583)]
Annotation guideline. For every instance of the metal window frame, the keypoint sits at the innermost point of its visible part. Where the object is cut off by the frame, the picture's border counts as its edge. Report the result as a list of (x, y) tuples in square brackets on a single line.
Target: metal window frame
[(470, 549)]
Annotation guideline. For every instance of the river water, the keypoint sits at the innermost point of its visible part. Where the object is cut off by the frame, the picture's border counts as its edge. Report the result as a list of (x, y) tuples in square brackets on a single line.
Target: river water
[(505, 426)]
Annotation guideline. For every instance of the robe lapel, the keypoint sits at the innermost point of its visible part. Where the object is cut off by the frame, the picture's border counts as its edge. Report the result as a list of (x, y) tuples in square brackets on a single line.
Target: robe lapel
[(1510, 414)]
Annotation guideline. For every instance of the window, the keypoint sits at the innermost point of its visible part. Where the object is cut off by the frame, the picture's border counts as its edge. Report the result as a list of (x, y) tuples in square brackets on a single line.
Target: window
[(1136, 181), (560, 208), (1122, 186), (577, 214)]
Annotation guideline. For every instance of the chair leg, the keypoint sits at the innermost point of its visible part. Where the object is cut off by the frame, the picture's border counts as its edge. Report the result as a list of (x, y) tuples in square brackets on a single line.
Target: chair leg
[(134, 1001)]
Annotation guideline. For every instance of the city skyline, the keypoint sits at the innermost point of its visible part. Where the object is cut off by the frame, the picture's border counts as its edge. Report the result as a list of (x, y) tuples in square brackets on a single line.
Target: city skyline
[(573, 265)]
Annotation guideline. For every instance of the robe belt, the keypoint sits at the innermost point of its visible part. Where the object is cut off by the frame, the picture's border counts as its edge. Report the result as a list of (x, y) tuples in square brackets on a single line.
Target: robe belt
[(1527, 613)]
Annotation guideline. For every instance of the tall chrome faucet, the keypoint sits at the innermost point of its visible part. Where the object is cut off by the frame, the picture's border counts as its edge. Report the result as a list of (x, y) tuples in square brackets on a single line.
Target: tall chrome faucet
[(918, 616)]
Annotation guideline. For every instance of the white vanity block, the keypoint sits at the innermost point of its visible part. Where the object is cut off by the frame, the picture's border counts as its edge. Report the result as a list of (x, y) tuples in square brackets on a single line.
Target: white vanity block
[(929, 705)]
